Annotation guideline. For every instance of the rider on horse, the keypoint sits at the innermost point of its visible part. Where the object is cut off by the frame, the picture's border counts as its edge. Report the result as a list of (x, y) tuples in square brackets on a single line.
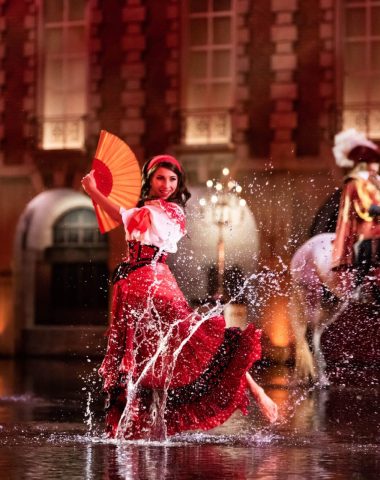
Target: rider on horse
[(357, 243)]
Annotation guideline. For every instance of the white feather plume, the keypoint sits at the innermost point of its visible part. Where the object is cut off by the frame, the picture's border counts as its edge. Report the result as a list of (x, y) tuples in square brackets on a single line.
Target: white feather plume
[(346, 141)]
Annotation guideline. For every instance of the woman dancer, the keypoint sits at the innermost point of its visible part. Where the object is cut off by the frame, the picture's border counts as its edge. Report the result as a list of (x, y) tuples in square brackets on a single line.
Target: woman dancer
[(167, 368)]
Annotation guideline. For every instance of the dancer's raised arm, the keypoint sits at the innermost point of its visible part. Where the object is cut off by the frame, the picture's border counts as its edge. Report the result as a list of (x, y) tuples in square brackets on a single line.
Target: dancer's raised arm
[(89, 186)]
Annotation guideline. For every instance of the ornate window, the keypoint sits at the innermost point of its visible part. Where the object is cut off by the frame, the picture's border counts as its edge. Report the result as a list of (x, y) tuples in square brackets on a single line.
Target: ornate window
[(63, 73), (360, 34), (209, 73)]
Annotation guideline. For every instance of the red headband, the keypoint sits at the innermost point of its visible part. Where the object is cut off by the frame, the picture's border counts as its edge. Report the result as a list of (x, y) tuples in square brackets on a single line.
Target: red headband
[(162, 159)]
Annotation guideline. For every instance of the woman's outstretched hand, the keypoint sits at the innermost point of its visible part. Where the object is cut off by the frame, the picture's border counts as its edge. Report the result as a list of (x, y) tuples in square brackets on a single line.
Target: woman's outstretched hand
[(89, 183)]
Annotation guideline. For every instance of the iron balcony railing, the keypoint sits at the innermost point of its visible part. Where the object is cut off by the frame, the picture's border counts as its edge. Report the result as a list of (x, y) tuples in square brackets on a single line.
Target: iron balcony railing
[(206, 126), (57, 132)]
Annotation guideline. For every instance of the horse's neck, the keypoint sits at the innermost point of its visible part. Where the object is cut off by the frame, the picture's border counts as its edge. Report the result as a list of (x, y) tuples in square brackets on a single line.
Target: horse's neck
[(339, 283), (314, 261)]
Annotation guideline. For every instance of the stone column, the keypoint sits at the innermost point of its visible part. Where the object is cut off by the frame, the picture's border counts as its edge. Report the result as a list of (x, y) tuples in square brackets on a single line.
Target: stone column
[(173, 71), (240, 115), (2, 77), (133, 73), (327, 64), (30, 79), (284, 88), (93, 125)]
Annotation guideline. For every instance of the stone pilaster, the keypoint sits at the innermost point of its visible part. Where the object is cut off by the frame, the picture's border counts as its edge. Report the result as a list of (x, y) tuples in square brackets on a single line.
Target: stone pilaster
[(95, 74), (173, 70), (133, 74), (240, 115), (283, 120), (327, 64), (31, 79), (2, 77)]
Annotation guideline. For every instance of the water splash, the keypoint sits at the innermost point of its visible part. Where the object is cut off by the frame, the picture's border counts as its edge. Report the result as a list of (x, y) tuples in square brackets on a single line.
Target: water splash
[(157, 424), (255, 288), (89, 415), (258, 288), (23, 398)]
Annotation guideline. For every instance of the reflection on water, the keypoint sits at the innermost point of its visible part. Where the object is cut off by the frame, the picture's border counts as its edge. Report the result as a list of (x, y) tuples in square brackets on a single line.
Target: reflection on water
[(327, 434)]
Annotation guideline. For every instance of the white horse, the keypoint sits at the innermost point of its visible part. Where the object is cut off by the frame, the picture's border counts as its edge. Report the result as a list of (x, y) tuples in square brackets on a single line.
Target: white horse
[(319, 296)]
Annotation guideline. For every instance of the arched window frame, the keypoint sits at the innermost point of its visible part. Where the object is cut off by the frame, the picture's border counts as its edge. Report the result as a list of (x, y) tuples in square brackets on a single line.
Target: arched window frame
[(86, 230)]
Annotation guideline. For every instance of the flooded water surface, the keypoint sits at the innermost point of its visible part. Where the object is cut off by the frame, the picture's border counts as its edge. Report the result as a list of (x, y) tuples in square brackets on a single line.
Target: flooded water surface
[(51, 428)]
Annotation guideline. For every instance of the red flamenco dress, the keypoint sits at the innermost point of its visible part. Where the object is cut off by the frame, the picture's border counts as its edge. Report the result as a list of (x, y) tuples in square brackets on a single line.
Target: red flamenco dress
[(167, 368)]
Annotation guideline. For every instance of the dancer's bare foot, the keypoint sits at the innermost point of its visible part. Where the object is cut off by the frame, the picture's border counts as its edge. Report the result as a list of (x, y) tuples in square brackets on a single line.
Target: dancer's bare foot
[(267, 406)]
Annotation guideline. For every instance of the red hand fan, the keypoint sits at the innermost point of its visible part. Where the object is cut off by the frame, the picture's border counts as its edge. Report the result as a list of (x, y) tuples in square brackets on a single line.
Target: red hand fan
[(118, 176)]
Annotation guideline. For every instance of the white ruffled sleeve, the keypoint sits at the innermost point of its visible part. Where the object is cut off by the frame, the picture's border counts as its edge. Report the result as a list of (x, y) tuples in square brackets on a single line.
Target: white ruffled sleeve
[(126, 215), (166, 229)]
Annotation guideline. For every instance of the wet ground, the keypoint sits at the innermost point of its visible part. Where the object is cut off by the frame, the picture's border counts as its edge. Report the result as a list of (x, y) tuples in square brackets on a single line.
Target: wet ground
[(51, 417)]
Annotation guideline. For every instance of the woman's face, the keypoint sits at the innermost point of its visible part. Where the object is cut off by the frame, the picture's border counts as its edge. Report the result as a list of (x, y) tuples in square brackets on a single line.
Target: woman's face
[(373, 167), (163, 183)]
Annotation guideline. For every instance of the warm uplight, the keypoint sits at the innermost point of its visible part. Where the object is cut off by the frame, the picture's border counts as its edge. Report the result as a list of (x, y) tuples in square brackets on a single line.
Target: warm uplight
[(277, 324), (209, 183), (6, 327), (225, 171), (214, 199), (218, 187), (202, 202), (231, 184), (242, 202), (238, 189), (5, 305)]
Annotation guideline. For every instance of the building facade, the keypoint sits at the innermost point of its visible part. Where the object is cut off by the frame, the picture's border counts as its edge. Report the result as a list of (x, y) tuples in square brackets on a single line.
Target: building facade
[(258, 86)]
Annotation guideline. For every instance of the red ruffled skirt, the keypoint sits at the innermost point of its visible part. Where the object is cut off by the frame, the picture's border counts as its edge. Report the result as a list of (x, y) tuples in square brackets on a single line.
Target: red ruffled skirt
[(177, 370)]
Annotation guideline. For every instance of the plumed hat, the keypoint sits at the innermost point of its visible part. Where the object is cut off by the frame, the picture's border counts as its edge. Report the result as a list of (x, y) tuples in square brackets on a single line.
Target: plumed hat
[(352, 147)]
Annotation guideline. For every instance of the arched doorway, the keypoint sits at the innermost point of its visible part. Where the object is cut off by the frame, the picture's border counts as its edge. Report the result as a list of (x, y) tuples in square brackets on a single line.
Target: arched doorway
[(60, 276), (72, 275)]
